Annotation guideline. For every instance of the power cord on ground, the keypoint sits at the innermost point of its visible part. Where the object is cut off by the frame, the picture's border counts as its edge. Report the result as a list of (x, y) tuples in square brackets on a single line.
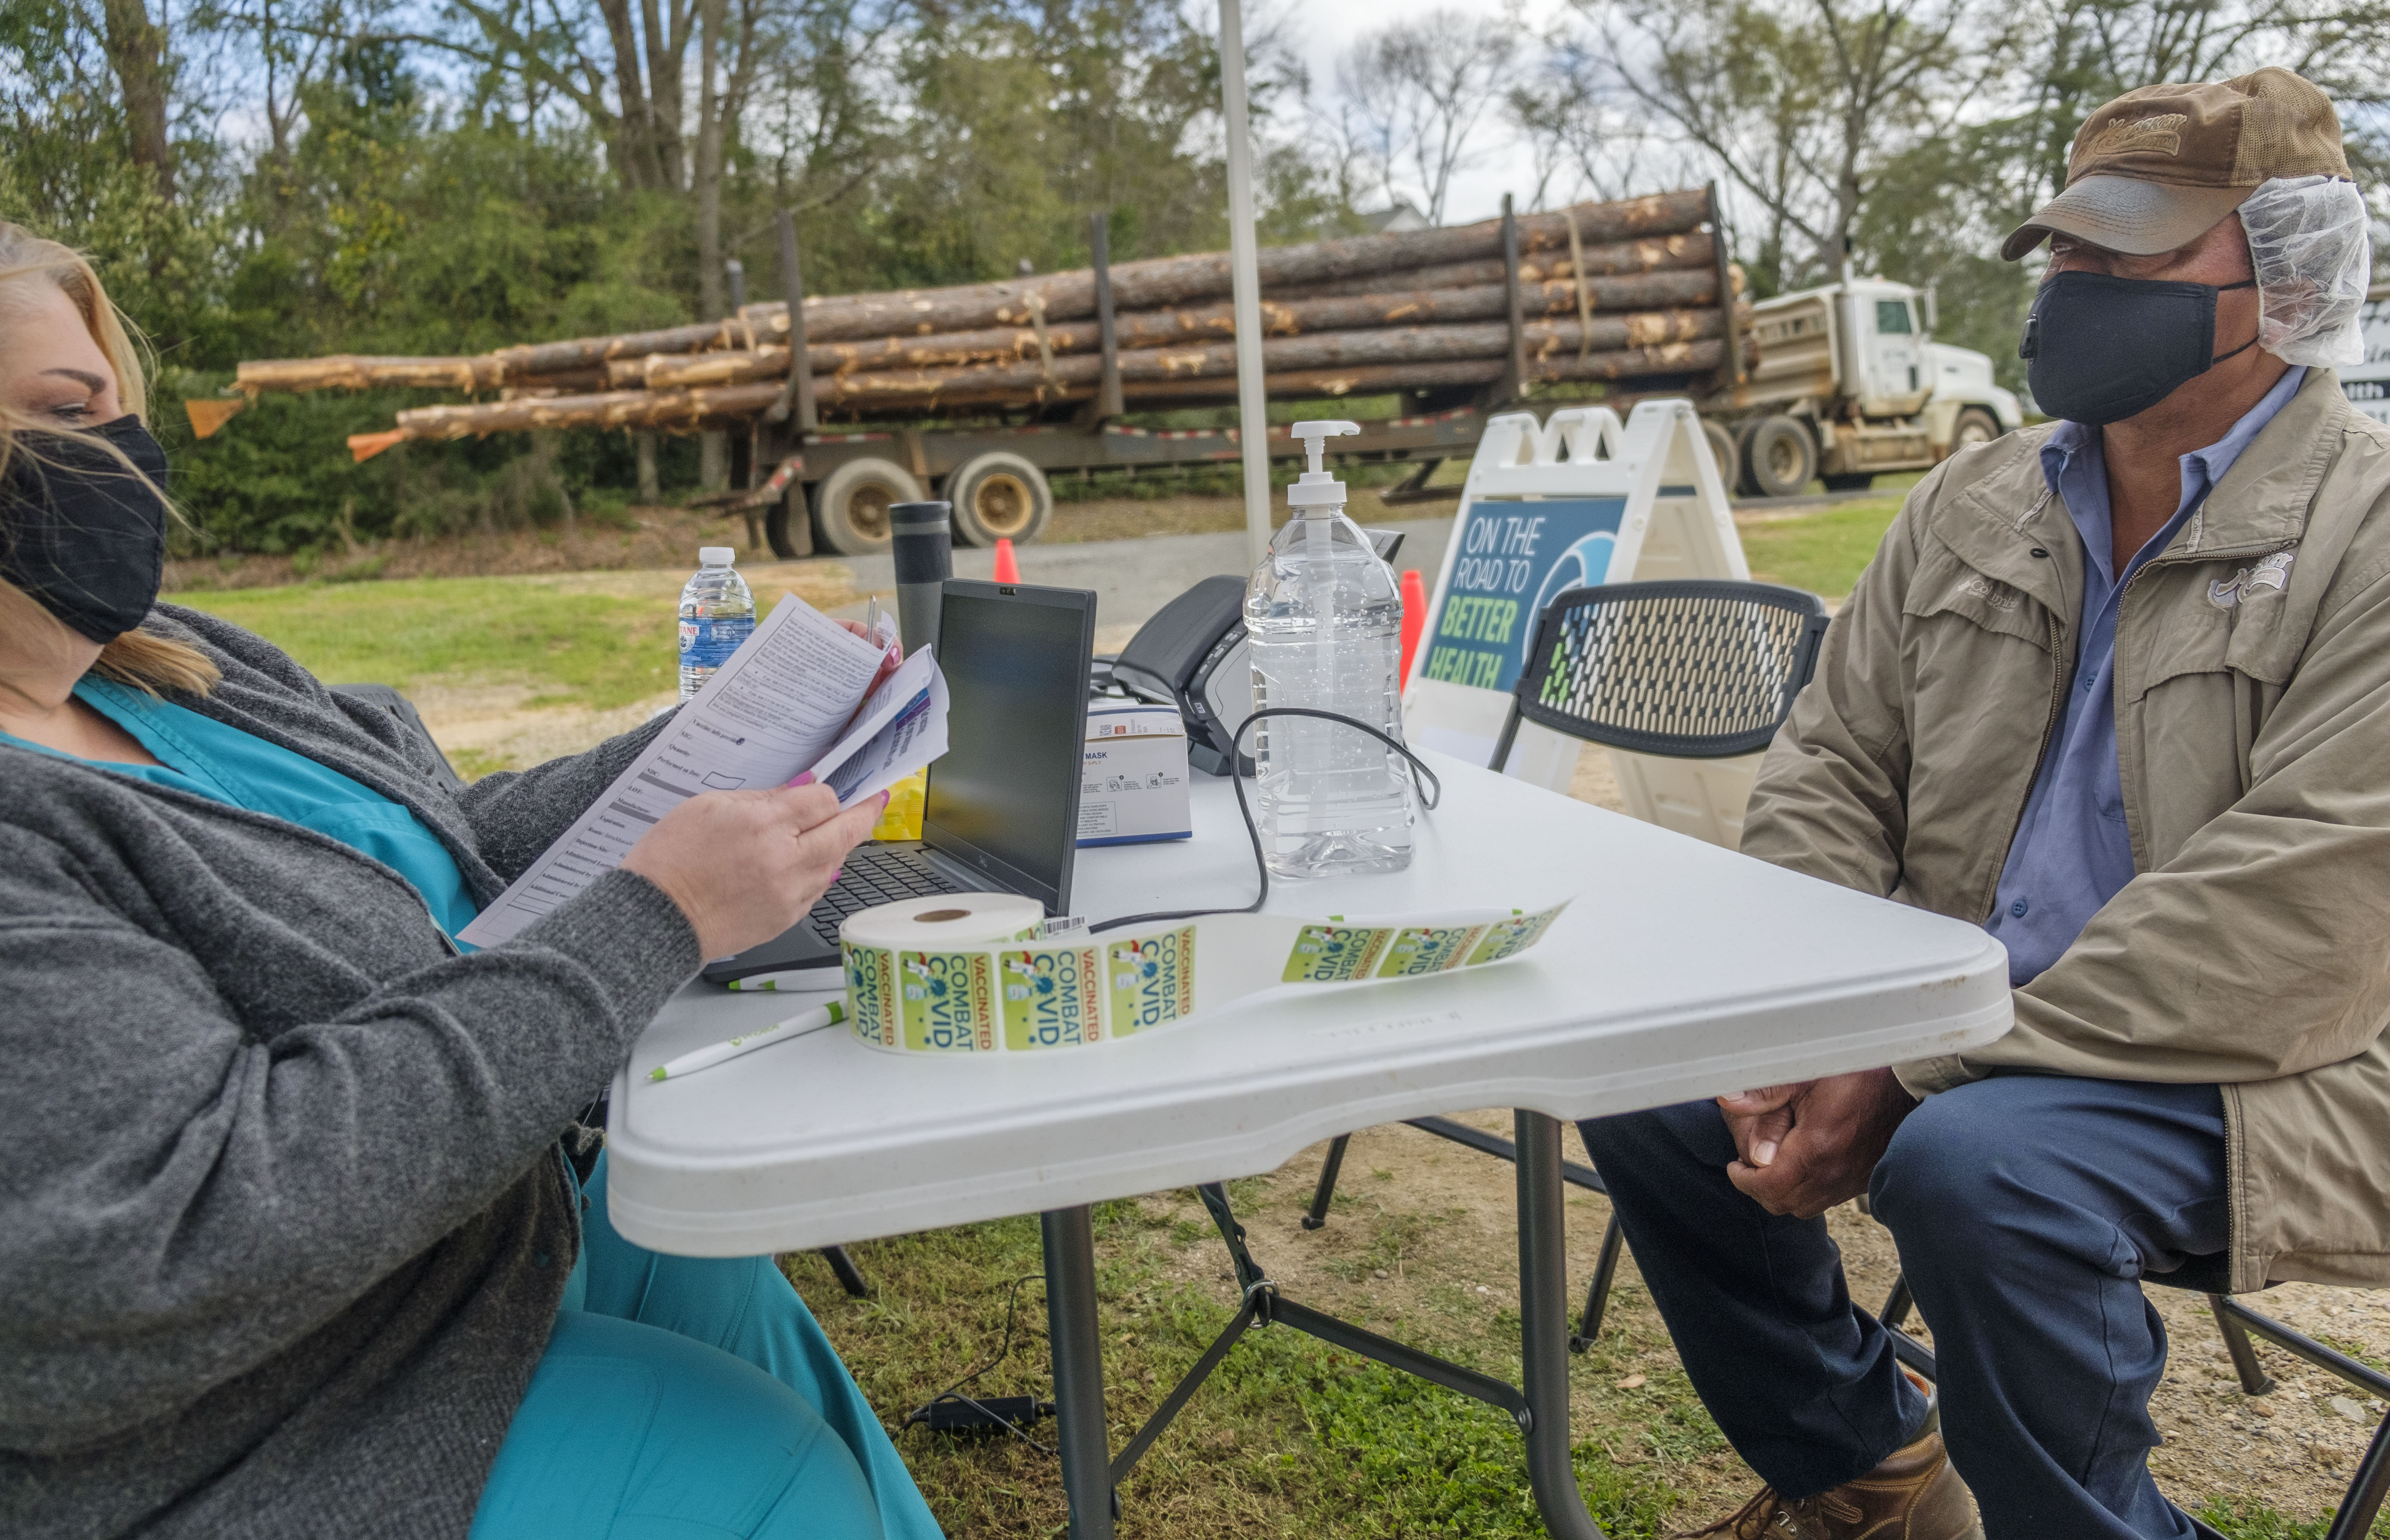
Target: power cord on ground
[(950, 1411)]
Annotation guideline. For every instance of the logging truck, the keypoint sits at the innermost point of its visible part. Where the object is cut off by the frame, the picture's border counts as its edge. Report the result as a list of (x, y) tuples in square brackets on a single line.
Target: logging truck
[(1841, 382), (1848, 385), (978, 394)]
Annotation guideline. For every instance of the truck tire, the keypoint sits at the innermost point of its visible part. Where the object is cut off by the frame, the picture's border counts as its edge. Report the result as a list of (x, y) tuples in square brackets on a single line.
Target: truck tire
[(1743, 485), (1975, 425), (1849, 480), (788, 520), (850, 505), (999, 497), (1782, 458), (1729, 461)]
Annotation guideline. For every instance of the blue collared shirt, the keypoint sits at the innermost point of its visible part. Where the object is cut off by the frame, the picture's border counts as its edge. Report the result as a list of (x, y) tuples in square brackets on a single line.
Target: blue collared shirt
[(2073, 853)]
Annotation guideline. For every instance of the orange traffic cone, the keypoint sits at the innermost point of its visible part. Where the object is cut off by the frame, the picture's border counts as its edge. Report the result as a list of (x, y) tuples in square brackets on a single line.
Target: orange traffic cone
[(1007, 569), (1414, 619)]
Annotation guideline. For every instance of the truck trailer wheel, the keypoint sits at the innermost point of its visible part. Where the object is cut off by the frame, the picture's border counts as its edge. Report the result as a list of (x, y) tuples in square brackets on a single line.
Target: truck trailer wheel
[(1722, 450), (999, 497), (787, 524), (1781, 455), (1975, 426), (851, 504)]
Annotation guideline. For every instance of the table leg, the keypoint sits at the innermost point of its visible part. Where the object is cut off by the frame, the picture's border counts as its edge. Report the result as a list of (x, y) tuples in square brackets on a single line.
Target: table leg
[(1544, 1330), (1077, 1348)]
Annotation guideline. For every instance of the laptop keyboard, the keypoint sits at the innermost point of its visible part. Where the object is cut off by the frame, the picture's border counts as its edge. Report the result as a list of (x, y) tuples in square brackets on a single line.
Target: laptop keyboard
[(876, 874)]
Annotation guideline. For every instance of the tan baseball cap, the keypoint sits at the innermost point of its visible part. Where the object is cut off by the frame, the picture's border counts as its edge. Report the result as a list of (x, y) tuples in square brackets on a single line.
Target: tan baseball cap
[(2159, 167)]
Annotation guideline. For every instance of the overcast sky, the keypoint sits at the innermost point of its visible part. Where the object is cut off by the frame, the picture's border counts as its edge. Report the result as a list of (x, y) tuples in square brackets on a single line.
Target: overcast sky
[(1320, 31)]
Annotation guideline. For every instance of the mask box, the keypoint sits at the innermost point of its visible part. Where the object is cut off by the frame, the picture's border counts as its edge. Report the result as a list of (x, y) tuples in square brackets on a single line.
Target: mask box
[(1132, 781)]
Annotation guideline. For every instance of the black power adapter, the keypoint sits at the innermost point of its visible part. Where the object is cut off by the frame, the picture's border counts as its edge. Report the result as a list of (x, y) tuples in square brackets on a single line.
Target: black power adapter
[(995, 1414)]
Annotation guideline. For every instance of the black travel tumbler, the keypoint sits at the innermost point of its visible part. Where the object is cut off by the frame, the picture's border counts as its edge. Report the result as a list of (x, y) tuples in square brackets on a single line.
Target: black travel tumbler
[(924, 552)]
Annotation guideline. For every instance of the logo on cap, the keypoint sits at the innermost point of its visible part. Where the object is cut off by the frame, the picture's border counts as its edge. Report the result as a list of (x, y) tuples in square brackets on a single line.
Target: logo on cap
[(2160, 134)]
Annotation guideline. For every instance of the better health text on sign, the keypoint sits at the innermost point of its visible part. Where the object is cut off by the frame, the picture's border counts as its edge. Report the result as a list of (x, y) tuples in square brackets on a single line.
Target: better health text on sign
[(1513, 558)]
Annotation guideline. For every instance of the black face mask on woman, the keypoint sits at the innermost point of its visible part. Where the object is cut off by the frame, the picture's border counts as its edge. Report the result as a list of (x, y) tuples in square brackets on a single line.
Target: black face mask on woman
[(2105, 349), (80, 533)]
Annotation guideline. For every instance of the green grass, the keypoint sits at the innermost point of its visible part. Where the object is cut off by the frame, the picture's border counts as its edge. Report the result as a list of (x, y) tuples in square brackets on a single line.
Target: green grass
[(2256, 1522), (2353, 1349), (1289, 1437), (1823, 552), (578, 648)]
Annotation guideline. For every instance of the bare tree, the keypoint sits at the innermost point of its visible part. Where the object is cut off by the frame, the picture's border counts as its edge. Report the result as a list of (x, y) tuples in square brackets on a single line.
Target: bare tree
[(1805, 106), (137, 53), (1586, 137), (2080, 53), (290, 45), (1801, 102), (666, 30), (1416, 93)]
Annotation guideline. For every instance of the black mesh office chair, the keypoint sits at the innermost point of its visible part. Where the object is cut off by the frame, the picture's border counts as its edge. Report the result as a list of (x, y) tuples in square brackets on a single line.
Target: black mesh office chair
[(1685, 669), (386, 698)]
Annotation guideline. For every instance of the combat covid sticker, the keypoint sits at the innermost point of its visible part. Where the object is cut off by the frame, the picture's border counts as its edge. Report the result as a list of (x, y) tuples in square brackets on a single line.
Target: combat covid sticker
[(948, 1001), (1051, 996), (1152, 980), (1334, 953)]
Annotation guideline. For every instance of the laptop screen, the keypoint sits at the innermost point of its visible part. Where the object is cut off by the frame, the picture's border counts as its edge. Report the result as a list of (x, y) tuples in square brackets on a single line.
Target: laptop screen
[(1004, 800)]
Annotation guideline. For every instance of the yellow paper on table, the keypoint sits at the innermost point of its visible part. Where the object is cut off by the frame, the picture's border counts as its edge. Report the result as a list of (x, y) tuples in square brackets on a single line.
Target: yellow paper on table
[(900, 819)]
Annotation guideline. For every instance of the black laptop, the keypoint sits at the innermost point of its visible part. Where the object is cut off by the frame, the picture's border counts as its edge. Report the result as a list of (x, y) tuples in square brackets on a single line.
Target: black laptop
[(1003, 808)]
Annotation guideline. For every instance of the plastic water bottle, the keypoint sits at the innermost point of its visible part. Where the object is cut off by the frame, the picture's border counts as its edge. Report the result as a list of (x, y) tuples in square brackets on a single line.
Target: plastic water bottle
[(717, 614), (1323, 626)]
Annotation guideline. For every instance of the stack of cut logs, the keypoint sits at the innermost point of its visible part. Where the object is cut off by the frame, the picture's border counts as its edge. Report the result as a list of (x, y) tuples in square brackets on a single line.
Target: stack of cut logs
[(1632, 290)]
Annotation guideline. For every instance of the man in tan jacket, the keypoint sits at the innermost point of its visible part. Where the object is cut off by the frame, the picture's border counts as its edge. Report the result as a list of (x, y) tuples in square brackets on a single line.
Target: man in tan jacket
[(2117, 689)]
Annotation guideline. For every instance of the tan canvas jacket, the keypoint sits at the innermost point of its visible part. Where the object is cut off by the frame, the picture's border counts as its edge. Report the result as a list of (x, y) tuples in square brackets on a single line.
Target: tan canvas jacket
[(2252, 733)]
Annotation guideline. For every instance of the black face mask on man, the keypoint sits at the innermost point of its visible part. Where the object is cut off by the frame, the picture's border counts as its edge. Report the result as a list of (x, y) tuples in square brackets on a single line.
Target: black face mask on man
[(2105, 349), (80, 533)]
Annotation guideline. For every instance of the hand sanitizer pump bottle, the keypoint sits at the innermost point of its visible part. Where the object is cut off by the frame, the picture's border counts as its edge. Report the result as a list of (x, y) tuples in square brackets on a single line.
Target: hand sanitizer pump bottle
[(1323, 624)]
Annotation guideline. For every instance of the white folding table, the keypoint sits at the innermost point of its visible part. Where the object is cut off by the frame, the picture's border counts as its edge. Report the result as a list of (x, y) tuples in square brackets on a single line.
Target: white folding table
[(1681, 971)]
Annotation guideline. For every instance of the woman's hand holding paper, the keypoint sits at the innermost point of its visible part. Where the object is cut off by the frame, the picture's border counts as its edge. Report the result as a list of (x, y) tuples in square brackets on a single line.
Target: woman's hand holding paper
[(745, 866)]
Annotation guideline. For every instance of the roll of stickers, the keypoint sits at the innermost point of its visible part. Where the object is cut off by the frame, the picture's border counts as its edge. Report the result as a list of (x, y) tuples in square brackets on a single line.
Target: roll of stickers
[(947, 919), (923, 979)]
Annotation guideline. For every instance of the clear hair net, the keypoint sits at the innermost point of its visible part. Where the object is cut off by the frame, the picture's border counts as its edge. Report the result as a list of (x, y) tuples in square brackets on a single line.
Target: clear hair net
[(2313, 258)]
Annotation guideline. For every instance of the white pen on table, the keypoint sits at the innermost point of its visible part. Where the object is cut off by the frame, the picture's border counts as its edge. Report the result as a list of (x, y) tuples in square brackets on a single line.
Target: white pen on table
[(829, 1013), (803, 981)]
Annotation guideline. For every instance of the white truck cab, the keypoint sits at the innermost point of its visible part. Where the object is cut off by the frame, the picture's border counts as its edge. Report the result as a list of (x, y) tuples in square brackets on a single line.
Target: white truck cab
[(1849, 384)]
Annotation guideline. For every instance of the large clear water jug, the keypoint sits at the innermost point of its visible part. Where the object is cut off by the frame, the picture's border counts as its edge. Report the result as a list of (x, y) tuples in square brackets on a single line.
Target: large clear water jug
[(1323, 623)]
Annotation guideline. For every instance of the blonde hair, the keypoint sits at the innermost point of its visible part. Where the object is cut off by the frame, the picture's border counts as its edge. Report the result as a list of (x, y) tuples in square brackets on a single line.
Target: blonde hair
[(141, 659)]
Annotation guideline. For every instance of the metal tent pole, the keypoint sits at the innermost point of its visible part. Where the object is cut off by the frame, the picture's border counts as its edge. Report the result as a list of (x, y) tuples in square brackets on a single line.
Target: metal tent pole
[(1244, 269)]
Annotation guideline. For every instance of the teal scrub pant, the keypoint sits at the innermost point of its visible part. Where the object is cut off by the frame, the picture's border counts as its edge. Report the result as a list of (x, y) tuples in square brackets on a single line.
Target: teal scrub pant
[(685, 1398)]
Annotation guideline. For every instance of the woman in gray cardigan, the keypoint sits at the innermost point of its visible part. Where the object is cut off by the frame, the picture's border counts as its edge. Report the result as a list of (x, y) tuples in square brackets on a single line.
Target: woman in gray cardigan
[(289, 1244)]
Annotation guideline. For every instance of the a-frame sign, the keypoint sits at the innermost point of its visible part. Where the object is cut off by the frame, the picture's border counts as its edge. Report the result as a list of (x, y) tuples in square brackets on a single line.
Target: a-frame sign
[(1578, 500)]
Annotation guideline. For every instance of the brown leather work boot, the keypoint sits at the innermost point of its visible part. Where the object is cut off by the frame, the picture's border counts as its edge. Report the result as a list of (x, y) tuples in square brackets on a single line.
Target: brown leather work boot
[(1914, 1495)]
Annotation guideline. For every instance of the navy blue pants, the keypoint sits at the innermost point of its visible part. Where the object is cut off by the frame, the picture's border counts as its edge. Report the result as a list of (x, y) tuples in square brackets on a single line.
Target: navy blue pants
[(2026, 1209)]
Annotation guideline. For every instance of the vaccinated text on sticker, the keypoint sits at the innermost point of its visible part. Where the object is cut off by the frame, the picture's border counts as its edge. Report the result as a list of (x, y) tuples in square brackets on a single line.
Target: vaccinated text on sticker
[(948, 999), (1152, 980), (1049, 998), (871, 994), (1334, 953)]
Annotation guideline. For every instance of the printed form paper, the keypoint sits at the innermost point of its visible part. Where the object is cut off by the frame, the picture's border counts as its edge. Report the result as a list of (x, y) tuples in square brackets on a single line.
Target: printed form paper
[(784, 702)]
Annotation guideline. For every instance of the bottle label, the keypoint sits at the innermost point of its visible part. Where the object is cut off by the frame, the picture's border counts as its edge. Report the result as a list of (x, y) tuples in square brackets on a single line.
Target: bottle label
[(710, 642)]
